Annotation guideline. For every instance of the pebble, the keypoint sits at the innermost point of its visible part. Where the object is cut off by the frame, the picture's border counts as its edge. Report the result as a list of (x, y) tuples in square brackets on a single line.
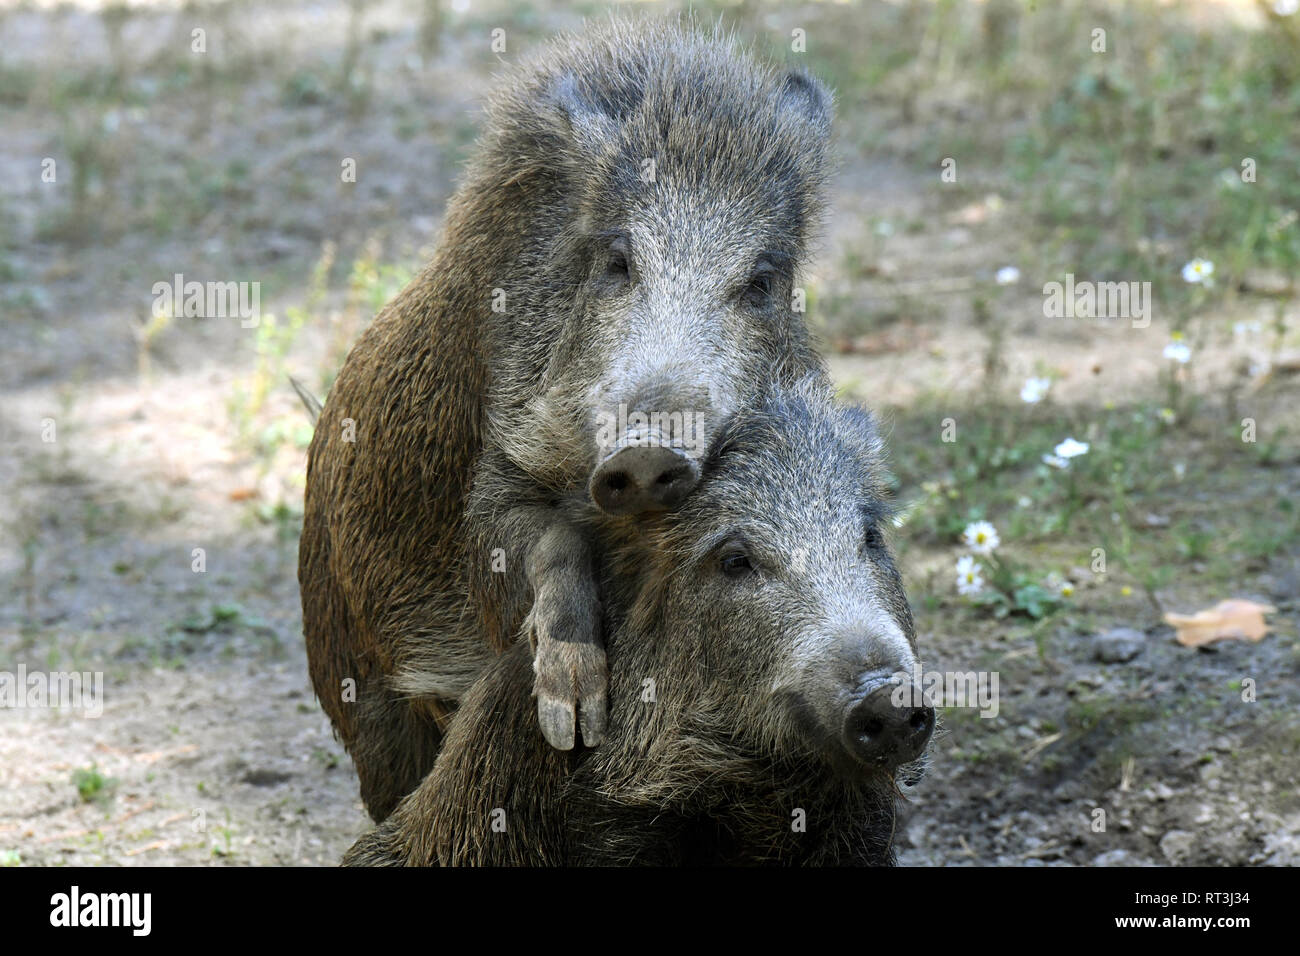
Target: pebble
[(1119, 858), (1176, 845), (1118, 645)]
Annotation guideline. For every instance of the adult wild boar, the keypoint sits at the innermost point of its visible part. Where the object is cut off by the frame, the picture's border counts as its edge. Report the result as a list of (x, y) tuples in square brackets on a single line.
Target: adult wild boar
[(758, 636), (615, 276)]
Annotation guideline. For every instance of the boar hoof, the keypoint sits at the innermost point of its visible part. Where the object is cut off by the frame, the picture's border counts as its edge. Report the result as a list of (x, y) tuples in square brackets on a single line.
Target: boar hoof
[(570, 683)]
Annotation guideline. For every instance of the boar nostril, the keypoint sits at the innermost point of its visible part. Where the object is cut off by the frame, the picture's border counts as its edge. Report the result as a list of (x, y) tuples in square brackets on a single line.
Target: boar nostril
[(642, 478), (881, 733)]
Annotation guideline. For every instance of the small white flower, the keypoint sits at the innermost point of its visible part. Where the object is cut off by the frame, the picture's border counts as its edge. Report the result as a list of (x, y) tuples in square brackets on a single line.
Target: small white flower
[(1055, 462), (1071, 448), (1198, 270), (1035, 390), (968, 576), (1007, 275), (981, 537), (1286, 8), (1179, 352), (1059, 585)]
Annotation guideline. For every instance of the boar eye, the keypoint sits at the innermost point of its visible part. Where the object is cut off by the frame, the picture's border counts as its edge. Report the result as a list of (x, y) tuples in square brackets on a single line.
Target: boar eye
[(759, 289), (735, 564), (617, 265), (872, 539)]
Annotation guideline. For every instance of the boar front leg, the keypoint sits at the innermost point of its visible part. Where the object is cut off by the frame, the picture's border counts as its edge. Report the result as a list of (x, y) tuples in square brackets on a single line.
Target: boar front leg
[(564, 629), (546, 589)]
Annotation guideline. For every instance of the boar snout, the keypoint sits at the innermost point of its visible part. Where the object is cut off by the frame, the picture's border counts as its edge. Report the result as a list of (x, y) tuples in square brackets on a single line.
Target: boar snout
[(642, 478), (649, 444), (882, 732)]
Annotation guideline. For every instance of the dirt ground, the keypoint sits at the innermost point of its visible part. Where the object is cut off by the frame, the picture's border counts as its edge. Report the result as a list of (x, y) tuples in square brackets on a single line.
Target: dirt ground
[(211, 748)]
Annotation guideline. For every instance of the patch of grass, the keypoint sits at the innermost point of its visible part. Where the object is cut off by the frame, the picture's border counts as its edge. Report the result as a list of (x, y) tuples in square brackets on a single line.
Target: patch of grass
[(1123, 162), (226, 834), (222, 618), (210, 629), (1141, 509), (92, 786), (285, 517)]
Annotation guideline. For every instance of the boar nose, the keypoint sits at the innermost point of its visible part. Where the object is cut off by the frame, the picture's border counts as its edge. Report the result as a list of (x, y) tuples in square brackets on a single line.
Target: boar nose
[(880, 732), (643, 478)]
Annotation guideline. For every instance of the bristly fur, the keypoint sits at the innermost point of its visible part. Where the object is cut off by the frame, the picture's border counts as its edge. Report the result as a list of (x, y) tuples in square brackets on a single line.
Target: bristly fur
[(707, 764), (456, 432)]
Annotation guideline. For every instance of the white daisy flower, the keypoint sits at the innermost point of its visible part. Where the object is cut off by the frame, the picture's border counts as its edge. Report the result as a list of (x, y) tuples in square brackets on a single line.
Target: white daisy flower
[(1179, 352), (981, 537), (1034, 390), (1007, 275), (1071, 449), (1059, 585), (968, 576), (1198, 270)]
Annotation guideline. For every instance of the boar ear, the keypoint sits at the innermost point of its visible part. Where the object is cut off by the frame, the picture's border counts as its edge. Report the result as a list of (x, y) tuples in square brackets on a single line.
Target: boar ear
[(805, 94), (860, 426), (580, 113)]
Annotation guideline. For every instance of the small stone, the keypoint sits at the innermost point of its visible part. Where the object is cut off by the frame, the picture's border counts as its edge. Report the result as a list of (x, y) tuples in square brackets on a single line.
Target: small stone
[(266, 778), (1118, 645), (1285, 586), (1176, 845)]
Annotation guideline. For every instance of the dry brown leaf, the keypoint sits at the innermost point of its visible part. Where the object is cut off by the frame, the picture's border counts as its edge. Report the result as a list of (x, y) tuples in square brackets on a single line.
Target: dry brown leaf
[(1236, 620)]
